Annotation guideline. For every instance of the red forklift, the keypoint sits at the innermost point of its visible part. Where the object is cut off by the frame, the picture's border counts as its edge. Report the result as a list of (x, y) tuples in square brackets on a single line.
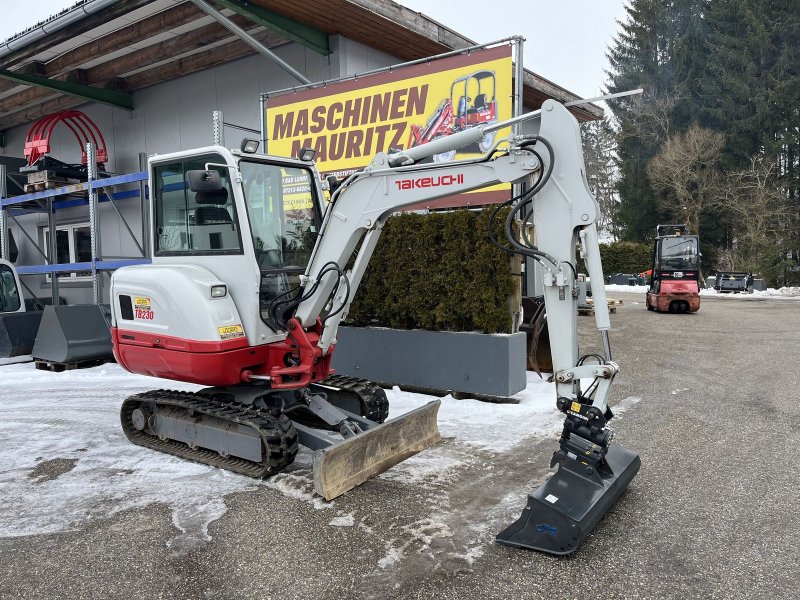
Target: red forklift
[(675, 280), (468, 113)]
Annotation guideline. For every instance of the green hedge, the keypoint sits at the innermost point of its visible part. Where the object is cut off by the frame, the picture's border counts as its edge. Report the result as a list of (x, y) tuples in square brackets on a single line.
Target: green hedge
[(437, 272), (625, 257)]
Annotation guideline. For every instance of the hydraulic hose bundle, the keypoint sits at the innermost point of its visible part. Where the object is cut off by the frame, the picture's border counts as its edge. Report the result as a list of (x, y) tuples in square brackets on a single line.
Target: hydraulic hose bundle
[(523, 201)]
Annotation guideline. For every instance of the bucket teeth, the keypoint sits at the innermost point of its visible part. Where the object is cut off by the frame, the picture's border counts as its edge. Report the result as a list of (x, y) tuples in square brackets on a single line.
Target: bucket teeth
[(345, 465)]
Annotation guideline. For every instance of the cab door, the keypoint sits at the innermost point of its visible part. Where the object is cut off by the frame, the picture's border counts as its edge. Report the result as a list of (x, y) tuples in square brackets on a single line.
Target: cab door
[(10, 295)]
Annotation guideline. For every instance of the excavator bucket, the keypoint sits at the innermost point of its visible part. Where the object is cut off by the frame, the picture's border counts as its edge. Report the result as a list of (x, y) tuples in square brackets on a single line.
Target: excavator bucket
[(18, 333), (343, 466), (562, 512)]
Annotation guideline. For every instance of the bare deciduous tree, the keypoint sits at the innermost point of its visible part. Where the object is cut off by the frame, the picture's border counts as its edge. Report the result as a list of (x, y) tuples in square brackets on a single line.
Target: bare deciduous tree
[(648, 117), (685, 169), (756, 205), (599, 150)]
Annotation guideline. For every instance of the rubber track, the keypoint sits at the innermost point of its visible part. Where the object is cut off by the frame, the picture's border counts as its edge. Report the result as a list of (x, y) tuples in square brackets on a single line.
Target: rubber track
[(278, 435), (374, 404)]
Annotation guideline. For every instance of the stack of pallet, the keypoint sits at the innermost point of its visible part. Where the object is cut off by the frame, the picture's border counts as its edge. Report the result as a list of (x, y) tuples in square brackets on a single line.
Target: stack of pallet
[(588, 310), (39, 181)]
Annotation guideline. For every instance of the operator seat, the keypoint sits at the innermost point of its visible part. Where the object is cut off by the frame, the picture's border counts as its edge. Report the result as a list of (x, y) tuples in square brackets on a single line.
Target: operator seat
[(479, 104), (212, 209)]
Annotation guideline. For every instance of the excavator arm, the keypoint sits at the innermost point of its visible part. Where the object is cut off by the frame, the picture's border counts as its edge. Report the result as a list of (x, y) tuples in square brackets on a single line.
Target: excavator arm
[(592, 472), (563, 209)]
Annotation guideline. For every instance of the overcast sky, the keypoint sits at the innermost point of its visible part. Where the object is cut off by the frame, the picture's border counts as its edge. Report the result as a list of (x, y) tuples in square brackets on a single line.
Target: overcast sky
[(565, 40)]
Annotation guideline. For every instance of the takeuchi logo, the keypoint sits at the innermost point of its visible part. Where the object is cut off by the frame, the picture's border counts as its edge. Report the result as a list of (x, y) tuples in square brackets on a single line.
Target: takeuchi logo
[(426, 182)]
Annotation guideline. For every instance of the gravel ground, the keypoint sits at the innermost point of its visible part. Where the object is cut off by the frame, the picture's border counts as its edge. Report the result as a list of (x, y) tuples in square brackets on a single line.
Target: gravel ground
[(708, 402)]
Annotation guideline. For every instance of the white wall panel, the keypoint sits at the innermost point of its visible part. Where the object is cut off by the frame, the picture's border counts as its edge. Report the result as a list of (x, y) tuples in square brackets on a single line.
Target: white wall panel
[(172, 116)]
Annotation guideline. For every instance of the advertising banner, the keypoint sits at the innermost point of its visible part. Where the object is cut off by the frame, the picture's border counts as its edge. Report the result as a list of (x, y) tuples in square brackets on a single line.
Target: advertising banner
[(348, 122)]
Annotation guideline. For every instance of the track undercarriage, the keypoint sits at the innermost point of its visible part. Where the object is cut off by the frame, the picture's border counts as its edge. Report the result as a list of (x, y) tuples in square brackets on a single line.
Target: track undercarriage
[(254, 431)]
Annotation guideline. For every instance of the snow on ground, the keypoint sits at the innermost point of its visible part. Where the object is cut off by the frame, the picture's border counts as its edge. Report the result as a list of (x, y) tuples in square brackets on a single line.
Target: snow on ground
[(56, 420), (65, 461), (481, 425), (784, 292)]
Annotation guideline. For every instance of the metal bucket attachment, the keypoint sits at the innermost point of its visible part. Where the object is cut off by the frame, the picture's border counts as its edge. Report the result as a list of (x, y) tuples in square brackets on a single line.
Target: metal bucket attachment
[(71, 334), (343, 466), (565, 509), (18, 333)]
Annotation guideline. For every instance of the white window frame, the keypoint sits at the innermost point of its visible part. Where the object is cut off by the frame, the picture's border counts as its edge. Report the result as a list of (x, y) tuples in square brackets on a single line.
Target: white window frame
[(71, 227)]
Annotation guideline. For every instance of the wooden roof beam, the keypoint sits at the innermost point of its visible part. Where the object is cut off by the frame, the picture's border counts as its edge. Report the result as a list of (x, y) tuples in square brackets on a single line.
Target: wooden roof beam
[(193, 40), (124, 37), (65, 34), (201, 60), (35, 113), (185, 66)]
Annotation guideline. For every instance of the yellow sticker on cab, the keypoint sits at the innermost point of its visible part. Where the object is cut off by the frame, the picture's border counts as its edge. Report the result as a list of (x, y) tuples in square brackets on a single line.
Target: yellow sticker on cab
[(576, 407), (229, 332), (141, 303)]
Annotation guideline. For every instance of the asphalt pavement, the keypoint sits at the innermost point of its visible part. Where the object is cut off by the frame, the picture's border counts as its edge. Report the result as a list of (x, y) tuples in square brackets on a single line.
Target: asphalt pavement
[(709, 400)]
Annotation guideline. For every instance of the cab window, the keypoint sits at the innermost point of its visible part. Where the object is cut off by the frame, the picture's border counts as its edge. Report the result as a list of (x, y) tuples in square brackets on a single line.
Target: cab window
[(9, 294), (188, 222)]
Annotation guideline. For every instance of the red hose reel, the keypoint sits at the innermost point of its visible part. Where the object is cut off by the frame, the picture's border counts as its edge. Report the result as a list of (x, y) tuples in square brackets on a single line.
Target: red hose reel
[(37, 143)]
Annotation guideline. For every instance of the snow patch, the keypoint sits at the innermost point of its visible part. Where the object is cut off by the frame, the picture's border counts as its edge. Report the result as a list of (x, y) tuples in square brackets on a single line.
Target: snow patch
[(298, 485), (343, 521), (75, 415), (489, 426), (635, 289), (418, 536), (784, 292), (625, 405)]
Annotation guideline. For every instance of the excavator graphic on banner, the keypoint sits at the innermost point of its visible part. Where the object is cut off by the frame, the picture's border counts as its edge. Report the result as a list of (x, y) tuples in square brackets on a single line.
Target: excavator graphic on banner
[(467, 113), (245, 298)]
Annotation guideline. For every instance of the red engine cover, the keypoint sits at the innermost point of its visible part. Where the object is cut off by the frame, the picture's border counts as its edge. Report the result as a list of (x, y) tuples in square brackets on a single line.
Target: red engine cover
[(226, 362)]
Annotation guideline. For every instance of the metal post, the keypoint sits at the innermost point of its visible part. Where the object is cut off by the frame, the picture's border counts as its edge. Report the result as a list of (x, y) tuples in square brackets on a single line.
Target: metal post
[(250, 40), (94, 221), (3, 227), (112, 202), (217, 128), (519, 80), (144, 206), (262, 103), (52, 251), (518, 188)]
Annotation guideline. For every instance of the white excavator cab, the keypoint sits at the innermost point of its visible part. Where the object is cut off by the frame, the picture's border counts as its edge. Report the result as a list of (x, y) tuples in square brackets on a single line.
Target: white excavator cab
[(257, 222)]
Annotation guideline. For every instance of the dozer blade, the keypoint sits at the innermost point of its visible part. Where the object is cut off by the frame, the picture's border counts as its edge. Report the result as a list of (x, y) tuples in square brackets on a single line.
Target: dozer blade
[(562, 512), (345, 465)]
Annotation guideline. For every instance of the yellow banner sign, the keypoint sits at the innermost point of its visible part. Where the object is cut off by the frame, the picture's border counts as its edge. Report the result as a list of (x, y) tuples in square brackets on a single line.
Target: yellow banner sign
[(347, 123)]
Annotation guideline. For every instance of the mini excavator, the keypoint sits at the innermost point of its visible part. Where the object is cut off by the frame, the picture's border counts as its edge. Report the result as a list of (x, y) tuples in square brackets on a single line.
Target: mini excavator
[(252, 274)]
